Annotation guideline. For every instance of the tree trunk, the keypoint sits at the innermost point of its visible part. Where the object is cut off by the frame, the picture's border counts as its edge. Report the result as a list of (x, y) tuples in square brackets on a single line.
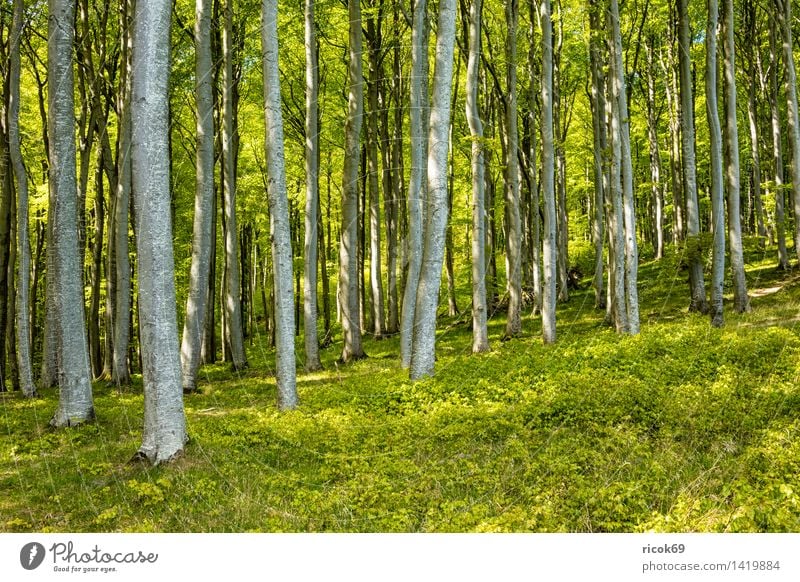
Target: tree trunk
[(717, 204), (164, 421), (416, 186), (234, 338), (348, 251), (777, 151), (514, 242), (741, 302), (480, 334), (693, 246), (548, 171), (598, 103), (427, 294), (197, 298), (95, 350), (784, 16), (655, 154), (279, 213), (75, 389), (23, 328), (375, 274), (536, 236), (122, 324), (312, 194)]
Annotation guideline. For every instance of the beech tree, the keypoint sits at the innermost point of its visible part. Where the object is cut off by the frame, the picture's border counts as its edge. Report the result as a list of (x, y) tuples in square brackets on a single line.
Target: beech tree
[(427, 294), (164, 421), (65, 286), (197, 300), (278, 212)]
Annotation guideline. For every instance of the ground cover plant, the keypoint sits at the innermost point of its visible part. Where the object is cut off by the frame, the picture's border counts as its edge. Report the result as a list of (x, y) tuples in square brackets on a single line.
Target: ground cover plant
[(684, 427)]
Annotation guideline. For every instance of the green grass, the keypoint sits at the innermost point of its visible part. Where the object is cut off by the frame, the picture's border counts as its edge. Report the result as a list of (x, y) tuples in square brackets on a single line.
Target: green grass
[(682, 428)]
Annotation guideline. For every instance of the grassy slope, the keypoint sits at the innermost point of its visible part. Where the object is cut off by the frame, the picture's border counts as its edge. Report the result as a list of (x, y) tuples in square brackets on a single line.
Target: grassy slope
[(681, 428)]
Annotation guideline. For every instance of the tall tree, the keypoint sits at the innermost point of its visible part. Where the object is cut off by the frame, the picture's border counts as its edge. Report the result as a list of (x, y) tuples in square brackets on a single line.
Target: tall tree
[(655, 152), (427, 294), (197, 299), (480, 336), (741, 302), (694, 251), (783, 9), (348, 252), (620, 94), (514, 242), (21, 182), (418, 121), (777, 148), (312, 192), (233, 306), (717, 204), (600, 156), (548, 177), (75, 403), (278, 212), (164, 421)]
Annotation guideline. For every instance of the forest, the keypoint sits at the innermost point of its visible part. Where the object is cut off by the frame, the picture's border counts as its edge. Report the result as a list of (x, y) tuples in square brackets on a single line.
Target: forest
[(399, 265)]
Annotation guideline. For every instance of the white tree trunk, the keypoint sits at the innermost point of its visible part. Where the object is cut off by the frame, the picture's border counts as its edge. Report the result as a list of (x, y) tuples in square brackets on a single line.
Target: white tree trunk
[(777, 151), (416, 186), (480, 335), (348, 251), (75, 390), (629, 204), (197, 300), (548, 179), (600, 156), (312, 193), (21, 183), (120, 370), (695, 258), (164, 421), (424, 347), (233, 300), (717, 204), (784, 15), (514, 242), (279, 213), (741, 302)]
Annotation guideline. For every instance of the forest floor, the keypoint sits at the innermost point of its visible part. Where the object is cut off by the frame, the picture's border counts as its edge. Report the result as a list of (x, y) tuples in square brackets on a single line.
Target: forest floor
[(681, 428)]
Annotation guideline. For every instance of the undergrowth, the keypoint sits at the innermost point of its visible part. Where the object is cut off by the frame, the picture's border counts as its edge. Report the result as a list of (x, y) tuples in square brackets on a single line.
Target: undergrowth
[(681, 428)]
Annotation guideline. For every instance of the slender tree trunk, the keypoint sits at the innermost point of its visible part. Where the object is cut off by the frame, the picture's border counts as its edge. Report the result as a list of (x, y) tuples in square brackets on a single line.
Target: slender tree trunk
[(75, 389), (694, 250), (600, 144), (717, 201), (416, 186), (533, 155), (197, 299), (655, 154), (480, 335), (95, 351), (629, 204), (122, 325), (312, 193), (23, 328), (278, 212), (348, 253), (427, 294), (375, 274), (548, 171), (777, 152), (514, 242), (676, 169), (741, 302), (784, 16), (164, 421)]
